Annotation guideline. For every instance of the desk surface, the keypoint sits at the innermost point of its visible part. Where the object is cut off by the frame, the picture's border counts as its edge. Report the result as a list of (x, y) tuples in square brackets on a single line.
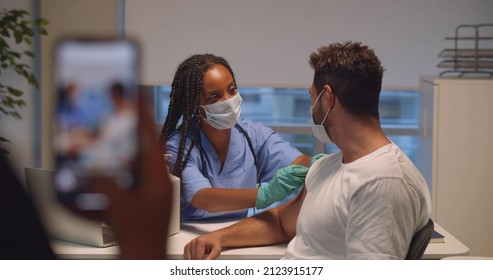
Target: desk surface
[(68, 250)]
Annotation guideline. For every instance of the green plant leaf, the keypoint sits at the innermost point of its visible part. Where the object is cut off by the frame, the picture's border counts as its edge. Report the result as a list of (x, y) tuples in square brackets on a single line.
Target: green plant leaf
[(16, 115), (8, 100), (29, 53), (19, 13), (18, 37), (15, 24), (14, 54), (28, 41), (41, 22), (32, 80), (3, 111), (26, 31), (3, 44), (20, 103), (14, 91), (6, 33)]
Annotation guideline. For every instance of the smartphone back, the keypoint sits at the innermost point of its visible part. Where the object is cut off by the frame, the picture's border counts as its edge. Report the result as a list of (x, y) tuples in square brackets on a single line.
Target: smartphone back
[(95, 118)]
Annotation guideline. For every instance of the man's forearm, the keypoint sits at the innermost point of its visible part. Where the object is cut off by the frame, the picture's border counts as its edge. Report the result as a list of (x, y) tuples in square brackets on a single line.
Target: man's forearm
[(262, 229), (275, 226)]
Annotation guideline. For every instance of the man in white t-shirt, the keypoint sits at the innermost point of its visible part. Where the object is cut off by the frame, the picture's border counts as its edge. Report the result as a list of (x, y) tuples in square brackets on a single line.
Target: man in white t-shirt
[(365, 202)]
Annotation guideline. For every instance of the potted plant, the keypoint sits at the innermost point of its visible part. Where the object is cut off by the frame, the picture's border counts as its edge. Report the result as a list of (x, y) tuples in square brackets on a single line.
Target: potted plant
[(16, 31)]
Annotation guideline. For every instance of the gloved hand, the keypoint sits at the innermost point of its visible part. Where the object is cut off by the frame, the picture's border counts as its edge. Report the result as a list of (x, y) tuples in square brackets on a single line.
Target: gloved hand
[(316, 157), (284, 183)]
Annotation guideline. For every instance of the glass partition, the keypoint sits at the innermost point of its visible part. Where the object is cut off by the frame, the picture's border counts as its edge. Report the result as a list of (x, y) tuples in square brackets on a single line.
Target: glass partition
[(287, 111)]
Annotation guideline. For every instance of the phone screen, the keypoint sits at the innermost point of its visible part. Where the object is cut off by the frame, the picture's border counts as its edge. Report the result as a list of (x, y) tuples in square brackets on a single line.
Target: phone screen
[(95, 123)]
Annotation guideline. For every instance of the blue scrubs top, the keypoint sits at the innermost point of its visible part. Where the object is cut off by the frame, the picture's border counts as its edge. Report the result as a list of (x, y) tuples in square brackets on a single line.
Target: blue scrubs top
[(239, 171)]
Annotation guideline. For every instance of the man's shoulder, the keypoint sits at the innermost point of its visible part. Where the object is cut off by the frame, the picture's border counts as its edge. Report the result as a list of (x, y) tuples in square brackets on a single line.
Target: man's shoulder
[(386, 161)]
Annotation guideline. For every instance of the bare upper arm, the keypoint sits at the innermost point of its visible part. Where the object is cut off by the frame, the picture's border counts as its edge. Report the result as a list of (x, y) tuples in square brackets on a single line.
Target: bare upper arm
[(288, 214), (302, 160)]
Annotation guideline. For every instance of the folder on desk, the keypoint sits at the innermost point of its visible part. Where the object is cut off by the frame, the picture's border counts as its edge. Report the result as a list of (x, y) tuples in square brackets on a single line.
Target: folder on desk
[(437, 237)]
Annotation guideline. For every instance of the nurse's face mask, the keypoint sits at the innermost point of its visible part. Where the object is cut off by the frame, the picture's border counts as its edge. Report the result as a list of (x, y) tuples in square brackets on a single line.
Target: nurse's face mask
[(223, 114)]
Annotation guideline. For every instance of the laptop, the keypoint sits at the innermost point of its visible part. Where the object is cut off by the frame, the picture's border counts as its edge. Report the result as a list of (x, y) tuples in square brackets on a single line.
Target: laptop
[(62, 224)]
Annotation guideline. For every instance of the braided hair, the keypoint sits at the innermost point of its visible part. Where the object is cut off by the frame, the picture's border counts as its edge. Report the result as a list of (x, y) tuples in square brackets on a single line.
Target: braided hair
[(186, 92)]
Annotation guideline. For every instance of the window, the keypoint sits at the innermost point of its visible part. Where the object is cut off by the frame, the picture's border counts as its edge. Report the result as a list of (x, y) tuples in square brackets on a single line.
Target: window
[(287, 111)]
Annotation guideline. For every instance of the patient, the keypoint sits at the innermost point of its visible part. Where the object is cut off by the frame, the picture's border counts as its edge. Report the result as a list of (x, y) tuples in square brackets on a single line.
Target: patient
[(138, 217)]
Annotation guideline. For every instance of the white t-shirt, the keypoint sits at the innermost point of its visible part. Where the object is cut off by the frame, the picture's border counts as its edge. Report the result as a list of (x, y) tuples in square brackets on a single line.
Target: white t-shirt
[(366, 209)]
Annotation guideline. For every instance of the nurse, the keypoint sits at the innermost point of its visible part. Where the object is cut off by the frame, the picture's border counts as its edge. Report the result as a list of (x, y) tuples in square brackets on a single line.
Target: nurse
[(220, 158)]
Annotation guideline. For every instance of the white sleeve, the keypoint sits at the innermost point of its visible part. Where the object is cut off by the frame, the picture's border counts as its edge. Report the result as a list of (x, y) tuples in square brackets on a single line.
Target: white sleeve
[(381, 220)]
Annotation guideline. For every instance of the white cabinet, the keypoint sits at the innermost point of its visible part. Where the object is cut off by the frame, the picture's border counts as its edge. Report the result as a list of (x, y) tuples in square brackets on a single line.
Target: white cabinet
[(456, 157)]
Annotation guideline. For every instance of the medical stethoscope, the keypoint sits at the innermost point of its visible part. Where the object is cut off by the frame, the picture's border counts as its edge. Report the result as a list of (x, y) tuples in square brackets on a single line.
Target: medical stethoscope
[(250, 145)]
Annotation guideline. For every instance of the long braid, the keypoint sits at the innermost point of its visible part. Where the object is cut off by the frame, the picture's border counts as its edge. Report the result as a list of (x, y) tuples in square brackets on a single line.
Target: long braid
[(198, 87), (186, 93)]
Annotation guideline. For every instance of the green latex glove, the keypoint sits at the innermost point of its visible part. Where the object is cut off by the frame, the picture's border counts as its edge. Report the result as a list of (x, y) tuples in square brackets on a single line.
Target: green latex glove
[(316, 157), (284, 183)]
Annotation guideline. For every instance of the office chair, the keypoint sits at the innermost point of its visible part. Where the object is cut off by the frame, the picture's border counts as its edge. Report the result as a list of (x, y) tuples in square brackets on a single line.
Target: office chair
[(420, 242)]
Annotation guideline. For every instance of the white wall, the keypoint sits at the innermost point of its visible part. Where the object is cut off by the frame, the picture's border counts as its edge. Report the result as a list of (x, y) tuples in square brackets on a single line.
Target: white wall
[(68, 18), (19, 132), (268, 42), (407, 35)]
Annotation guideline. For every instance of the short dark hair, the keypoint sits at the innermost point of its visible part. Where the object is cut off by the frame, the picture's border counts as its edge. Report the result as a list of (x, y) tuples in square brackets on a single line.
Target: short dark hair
[(186, 92), (354, 73)]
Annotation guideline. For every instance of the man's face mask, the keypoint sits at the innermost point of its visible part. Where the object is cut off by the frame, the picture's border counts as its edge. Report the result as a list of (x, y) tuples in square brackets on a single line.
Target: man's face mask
[(224, 114), (319, 129)]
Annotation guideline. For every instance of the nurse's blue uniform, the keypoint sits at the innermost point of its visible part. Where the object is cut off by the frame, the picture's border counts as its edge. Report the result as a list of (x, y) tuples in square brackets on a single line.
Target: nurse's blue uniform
[(239, 171)]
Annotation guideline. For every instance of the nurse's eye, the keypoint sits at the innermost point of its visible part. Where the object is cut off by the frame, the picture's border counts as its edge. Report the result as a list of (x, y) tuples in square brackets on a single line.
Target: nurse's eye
[(213, 98), (233, 91)]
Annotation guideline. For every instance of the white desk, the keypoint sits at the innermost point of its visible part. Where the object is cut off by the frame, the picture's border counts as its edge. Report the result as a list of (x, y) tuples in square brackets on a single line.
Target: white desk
[(67, 250), (451, 246)]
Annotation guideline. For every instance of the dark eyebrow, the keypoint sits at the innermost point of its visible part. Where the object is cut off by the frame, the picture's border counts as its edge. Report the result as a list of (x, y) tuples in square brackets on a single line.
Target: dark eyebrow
[(232, 84)]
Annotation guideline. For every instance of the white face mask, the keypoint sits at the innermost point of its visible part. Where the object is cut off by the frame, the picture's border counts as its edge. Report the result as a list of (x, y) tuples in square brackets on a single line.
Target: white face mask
[(223, 114), (319, 129)]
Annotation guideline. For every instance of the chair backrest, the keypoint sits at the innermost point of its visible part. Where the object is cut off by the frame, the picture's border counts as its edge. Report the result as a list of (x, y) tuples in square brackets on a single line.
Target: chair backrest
[(420, 241)]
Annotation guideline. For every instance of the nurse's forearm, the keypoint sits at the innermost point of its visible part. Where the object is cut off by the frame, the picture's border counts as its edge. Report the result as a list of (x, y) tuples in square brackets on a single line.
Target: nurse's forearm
[(214, 200)]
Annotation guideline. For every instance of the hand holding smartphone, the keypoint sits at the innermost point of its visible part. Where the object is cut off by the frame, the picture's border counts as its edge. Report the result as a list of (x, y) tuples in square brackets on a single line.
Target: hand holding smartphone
[(95, 119)]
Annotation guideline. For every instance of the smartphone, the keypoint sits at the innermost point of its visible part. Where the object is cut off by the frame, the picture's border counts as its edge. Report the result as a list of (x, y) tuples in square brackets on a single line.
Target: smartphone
[(95, 119)]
